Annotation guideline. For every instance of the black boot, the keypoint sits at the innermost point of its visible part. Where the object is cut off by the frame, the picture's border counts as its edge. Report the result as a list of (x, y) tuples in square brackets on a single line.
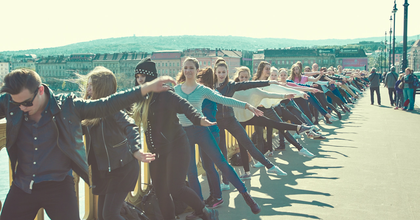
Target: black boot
[(255, 208)]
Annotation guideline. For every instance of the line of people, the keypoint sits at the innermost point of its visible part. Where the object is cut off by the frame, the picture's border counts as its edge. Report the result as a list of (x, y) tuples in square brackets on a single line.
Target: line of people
[(45, 132)]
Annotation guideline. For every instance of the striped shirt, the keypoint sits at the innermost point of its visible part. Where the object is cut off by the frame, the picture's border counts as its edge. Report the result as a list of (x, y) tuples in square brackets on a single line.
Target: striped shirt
[(197, 96)]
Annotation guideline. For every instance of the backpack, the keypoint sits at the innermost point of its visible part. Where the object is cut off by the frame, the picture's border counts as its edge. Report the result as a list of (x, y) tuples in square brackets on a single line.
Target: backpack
[(131, 212), (416, 82)]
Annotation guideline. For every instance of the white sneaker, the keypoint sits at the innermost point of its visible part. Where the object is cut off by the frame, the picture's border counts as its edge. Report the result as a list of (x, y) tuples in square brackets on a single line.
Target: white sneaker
[(276, 170), (269, 154), (316, 128), (305, 153), (304, 129), (258, 164), (224, 187), (333, 119)]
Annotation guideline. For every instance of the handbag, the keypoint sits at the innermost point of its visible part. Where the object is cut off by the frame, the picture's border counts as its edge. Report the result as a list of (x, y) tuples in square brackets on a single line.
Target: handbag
[(131, 212), (149, 203)]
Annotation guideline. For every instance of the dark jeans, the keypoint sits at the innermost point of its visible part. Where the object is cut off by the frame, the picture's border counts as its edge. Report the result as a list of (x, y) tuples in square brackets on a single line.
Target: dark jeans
[(392, 95), (208, 145), (212, 175), (295, 110), (57, 198), (168, 174), (109, 206), (323, 100), (232, 125), (378, 95), (315, 103), (303, 105)]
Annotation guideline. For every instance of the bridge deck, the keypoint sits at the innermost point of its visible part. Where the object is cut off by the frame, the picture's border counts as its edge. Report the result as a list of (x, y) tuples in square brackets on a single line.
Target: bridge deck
[(367, 168)]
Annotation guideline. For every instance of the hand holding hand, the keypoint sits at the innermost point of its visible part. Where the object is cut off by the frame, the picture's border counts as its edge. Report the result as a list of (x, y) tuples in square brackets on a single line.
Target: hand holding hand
[(305, 96), (144, 157), (206, 123), (254, 110)]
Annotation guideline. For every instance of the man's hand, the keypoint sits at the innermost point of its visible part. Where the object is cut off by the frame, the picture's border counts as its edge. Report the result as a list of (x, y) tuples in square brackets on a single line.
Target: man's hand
[(206, 123), (159, 84), (144, 157)]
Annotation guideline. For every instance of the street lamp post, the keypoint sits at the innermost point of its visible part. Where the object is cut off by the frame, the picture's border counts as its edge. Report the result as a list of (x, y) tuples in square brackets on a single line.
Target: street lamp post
[(405, 61), (394, 10), (390, 34)]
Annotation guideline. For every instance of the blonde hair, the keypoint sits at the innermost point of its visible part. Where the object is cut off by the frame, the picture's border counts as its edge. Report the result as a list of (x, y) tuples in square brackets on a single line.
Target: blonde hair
[(239, 70), (104, 84), (293, 75), (141, 111)]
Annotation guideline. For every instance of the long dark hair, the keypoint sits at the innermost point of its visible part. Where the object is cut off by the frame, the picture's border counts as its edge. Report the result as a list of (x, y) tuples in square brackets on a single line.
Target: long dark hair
[(206, 76)]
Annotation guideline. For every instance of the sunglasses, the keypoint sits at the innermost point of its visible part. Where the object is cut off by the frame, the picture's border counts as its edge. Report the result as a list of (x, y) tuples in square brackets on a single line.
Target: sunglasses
[(26, 103)]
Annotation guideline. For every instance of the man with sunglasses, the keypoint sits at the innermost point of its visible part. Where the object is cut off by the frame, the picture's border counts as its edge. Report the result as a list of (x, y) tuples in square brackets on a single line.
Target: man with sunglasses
[(44, 142)]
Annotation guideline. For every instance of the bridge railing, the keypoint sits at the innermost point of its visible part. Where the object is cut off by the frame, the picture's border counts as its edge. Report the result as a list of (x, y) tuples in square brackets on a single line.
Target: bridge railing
[(142, 186)]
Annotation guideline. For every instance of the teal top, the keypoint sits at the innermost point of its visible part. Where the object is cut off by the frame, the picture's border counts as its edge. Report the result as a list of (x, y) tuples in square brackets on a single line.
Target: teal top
[(197, 96)]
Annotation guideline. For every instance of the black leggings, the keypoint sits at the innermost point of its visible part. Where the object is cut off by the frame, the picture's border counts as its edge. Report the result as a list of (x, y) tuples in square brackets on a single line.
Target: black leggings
[(168, 174), (109, 206), (271, 113)]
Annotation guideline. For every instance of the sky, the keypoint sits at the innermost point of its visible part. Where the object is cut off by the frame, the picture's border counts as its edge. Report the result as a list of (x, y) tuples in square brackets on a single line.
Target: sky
[(28, 24)]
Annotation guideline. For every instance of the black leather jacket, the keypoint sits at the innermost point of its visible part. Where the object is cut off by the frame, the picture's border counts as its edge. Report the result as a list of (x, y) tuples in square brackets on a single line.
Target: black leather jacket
[(229, 88), (113, 140), (68, 112), (164, 127)]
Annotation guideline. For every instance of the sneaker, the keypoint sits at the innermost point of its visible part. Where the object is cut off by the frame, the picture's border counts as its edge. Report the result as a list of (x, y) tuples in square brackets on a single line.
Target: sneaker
[(318, 136), (224, 187), (305, 153), (258, 165), (316, 128), (276, 170), (304, 129), (210, 214), (245, 176), (192, 216), (396, 108), (269, 154), (255, 208), (281, 148), (212, 202), (333, 119)]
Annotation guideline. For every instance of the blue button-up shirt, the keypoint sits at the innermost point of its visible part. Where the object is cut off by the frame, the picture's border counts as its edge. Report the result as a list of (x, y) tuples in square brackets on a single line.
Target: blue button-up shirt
[(39, 157)]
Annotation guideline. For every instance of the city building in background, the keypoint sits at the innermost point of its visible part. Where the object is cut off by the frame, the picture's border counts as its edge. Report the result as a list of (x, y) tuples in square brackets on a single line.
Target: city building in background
[(351, 58), (414, 56), (80, 63), (23, 61), (168, 62)]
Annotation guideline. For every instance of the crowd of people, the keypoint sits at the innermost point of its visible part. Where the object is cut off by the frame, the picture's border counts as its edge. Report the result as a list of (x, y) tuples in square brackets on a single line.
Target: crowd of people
[(44, 131)]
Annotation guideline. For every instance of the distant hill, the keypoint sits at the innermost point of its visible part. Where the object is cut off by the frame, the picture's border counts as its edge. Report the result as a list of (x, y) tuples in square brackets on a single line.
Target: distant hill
[(150, 44)]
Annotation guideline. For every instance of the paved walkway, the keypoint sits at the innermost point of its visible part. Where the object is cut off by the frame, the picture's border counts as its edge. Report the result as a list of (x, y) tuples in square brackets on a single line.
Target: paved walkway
[(368, 168)]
